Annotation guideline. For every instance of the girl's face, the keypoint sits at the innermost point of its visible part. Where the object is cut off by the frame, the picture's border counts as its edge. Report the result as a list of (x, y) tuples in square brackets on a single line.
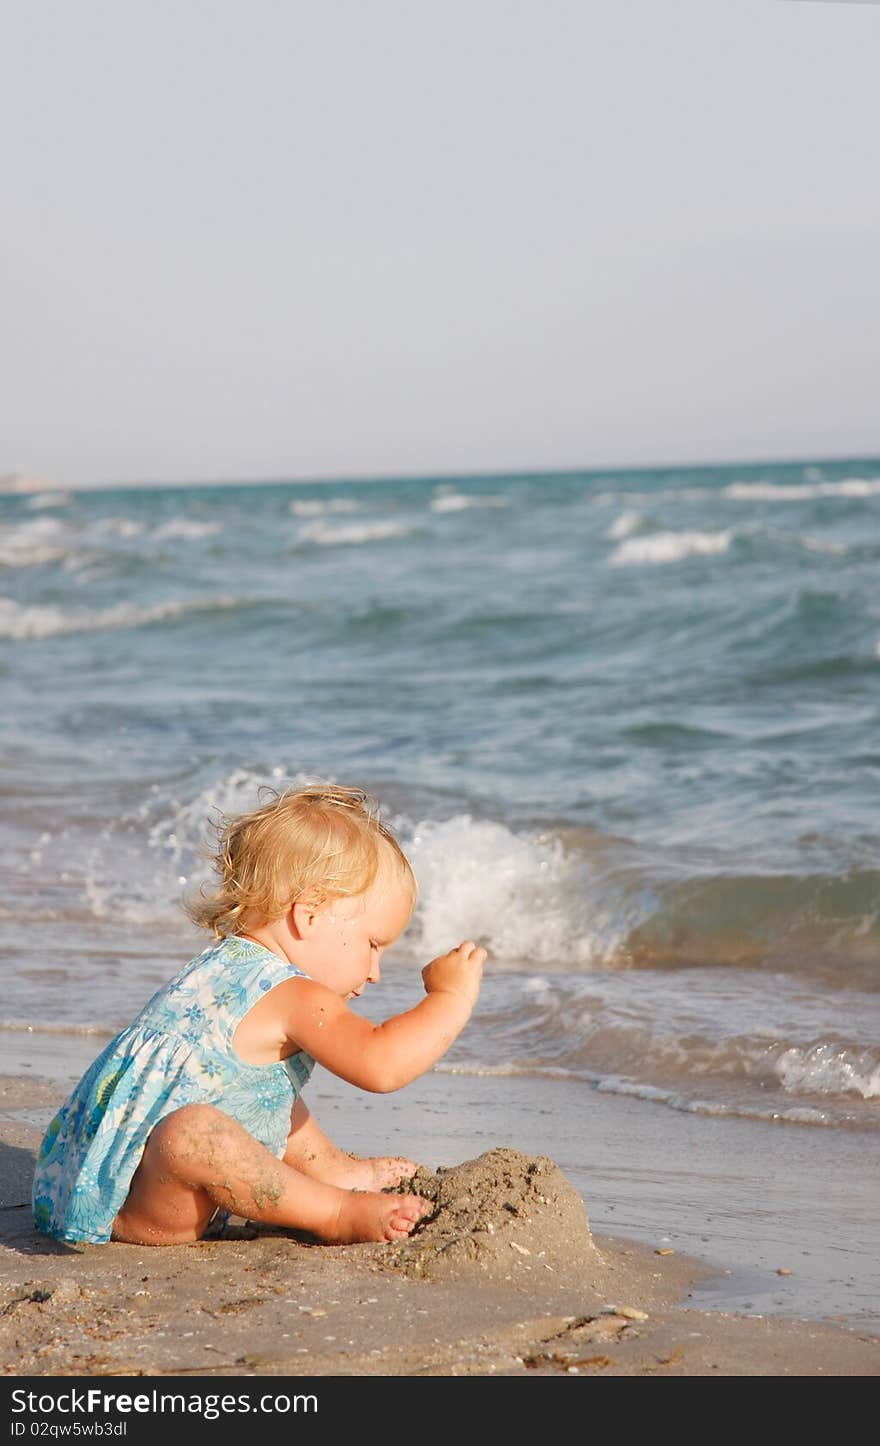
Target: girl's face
[(341, 942)]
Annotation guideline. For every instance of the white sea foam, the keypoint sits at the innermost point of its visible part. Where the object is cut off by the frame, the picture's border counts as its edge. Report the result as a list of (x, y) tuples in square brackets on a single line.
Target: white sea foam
[(21, 621), (31, 543), (524, 897), (40, 500), (662, 547), (459, 501), (626, 523), (674, 1099), (801, 1115), (43, 539), (139, 870), (815, 544), (828, 1069), (184, 827), (187, 527), (117, 527), (505, 1071), (314, 507), (636, 1089), (123, 882), (325, 535), (21, 1026), (645, 499), (801, 491), (746, 492)]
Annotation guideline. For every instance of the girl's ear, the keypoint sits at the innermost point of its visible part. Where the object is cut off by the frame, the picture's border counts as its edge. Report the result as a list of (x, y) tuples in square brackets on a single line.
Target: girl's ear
[(299, 918), (302, 915)]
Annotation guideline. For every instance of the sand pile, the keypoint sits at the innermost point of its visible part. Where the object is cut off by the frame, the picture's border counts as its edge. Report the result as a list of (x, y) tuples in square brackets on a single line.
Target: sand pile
[(505, 1214)]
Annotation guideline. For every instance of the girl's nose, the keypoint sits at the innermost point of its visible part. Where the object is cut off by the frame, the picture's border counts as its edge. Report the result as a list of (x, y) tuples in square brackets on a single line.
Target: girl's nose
[(375, 973)]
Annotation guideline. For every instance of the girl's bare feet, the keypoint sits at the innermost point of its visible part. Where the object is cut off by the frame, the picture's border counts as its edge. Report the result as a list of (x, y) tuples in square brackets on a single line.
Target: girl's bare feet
[(197, 1157), (377, 1172), (366, 1216)]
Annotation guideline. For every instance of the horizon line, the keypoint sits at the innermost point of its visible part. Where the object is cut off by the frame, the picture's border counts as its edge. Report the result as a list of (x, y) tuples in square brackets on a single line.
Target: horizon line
[(29, 484)]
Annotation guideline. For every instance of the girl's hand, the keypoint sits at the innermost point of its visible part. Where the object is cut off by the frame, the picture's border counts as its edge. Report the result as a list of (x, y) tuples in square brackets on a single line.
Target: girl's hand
[(458, 972)]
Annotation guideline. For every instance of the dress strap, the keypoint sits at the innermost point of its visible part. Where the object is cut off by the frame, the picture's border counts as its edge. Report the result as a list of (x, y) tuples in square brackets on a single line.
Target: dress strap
[(244, 971)]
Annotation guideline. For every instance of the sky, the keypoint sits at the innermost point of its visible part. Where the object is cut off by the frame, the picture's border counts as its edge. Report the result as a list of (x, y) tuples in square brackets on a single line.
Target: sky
[(284, 239)]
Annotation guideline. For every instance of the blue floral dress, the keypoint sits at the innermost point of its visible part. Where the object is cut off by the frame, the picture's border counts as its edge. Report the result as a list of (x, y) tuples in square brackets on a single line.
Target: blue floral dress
[(177, 1052)]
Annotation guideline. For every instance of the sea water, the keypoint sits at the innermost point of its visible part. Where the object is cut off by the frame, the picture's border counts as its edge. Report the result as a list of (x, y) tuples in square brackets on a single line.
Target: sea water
[(624, 723)]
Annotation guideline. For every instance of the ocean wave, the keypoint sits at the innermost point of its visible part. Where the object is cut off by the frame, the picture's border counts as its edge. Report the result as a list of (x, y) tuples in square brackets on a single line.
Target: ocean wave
[(757, 534), (821, 1068), (78, 545), (19, 1026), (186, 527), (570, 900), (645, 499), (826, 925), (460, 501), (826, 1068), (182, 827), (664, 547), (751, 1109), (41, 500), (758, 1046), (721, 1109), (314, 507), (40, 540), (323, 535), (124, 527), (38, 621), (599, 969), (817, 544), (44, 539), (143, 867), (525, 896), (801, 491), (679, 1100), (34, 542), (577, 900), (753, 491), (626, 523)]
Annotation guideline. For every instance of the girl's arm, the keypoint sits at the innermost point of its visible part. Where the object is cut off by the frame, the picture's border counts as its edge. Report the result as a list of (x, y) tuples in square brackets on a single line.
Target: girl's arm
[(384, 1057)]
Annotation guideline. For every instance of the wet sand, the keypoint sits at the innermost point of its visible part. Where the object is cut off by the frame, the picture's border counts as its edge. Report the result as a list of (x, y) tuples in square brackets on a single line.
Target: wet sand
[(506, 1278)]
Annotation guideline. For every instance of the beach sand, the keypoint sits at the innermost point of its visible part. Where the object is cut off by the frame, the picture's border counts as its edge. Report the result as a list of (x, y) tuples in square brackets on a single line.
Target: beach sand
[(505, 1279)]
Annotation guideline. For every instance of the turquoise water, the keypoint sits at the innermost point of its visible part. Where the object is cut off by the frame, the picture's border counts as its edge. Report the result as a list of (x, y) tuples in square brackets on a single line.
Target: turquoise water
[(625, 723)]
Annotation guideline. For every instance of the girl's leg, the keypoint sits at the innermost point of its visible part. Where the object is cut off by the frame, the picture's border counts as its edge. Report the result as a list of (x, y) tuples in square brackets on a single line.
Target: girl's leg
[(198, 1158), (314, 1153)]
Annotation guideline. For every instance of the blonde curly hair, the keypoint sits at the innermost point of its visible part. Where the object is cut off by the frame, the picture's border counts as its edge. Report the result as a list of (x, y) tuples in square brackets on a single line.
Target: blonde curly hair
[(325, 841)]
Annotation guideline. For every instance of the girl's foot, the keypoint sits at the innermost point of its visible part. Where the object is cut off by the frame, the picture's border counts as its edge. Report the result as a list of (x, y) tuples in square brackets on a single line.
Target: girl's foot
[(366, 1216), (378, 1172)]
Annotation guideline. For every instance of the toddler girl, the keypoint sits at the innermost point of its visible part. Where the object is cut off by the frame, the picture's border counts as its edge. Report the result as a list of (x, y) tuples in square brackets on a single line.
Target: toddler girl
[(196, 1106)]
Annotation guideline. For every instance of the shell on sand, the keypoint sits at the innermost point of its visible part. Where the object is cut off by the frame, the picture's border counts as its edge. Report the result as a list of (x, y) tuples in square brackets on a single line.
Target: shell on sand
[(502, 1214)]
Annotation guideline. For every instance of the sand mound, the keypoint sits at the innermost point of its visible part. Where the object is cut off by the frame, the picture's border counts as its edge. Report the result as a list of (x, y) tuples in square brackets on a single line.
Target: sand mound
[(505, 1214)]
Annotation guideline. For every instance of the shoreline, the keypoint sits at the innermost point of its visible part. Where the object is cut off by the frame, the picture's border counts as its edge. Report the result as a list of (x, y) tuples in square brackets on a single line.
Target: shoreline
[(257, 1302), (749, 1198)]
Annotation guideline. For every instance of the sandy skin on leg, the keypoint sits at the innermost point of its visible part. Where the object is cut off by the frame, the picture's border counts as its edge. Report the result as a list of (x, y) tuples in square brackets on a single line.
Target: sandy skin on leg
[(314, 1153), (198, 1158)]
